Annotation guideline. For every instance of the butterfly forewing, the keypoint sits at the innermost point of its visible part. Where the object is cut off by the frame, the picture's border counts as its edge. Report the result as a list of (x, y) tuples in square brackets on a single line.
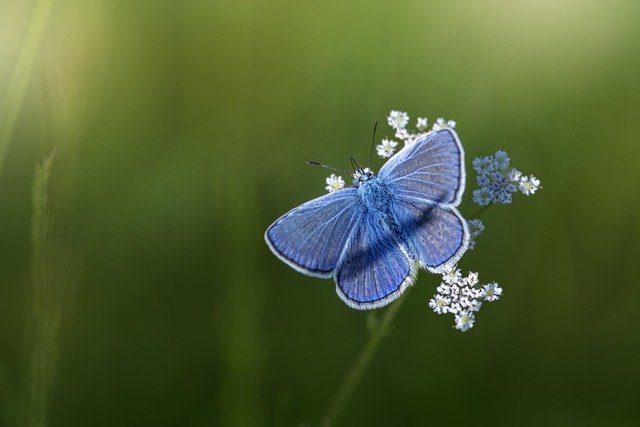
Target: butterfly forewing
[(431, 169), (312, 237)]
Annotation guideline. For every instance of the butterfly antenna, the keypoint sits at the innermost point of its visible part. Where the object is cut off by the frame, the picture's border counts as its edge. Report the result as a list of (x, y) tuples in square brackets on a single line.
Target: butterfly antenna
[(354, 164), (311, 162), (373, 141)]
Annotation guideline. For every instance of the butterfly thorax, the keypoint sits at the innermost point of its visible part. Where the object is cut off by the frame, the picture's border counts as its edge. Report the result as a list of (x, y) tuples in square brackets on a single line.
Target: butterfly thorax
[(375, 194)]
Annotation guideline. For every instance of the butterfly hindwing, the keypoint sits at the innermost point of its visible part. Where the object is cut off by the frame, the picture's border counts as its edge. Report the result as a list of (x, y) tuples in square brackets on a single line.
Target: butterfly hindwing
[(431, 168), (437, 235), (375, 269), (312, 237)]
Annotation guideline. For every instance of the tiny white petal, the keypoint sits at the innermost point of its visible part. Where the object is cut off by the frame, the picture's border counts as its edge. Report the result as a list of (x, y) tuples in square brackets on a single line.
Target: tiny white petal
[(422, 123)]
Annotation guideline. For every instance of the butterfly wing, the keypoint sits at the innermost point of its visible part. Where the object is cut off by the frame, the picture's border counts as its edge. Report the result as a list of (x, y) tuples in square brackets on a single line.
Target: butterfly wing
[(430, 169), (437, 235), (312, 237), (375, 268)]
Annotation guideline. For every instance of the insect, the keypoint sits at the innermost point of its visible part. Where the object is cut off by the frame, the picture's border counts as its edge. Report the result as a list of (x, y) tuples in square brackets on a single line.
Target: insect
[(373, 237)]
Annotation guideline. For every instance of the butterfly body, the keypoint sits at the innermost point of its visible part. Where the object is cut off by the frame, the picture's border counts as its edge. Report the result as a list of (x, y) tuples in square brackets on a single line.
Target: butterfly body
[(375, 194), (371, 238)]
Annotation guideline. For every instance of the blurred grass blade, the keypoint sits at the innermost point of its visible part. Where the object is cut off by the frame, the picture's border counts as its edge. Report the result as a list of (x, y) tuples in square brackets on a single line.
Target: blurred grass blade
[(46, 305), (14, 96), (354, 377)]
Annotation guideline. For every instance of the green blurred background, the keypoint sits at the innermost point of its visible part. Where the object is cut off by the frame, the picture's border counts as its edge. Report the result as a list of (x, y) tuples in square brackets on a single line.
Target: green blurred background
[(181, 129)]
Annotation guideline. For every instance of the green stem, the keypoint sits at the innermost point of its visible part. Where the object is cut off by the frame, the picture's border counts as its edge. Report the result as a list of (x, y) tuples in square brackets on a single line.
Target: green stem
[(17, 86), (362, 363), (482, 209)]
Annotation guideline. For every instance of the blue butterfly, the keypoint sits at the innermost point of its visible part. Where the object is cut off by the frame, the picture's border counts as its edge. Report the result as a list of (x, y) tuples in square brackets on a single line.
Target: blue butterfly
[(371, 238)]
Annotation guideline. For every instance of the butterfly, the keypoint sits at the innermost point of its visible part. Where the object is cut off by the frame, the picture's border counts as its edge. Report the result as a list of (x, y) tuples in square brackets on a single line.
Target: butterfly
[(373, 237)]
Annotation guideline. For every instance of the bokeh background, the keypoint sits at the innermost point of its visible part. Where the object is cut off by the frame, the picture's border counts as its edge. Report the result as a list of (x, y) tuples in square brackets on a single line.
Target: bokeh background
[(181, 129)]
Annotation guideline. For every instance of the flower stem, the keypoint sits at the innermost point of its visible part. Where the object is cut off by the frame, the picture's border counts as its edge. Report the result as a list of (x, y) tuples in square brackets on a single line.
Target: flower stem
[(362, 363), (482, 209)]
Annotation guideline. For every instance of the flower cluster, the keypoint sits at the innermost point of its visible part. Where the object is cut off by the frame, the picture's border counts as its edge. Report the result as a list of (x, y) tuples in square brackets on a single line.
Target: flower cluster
[(398, 120), (459, 296), (496, 184)]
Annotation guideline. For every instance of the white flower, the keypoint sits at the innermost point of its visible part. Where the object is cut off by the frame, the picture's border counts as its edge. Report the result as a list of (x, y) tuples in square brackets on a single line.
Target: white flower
[(404, 135), (465, 301), (476, 227), (439, 124), (386, 148), (334, 183), (514, 175), (398, 119), (439, 304), (455, 308), (422, 124), (464, 320), (529, 185), (471, 279), (501, 160), (452, 276), (443, 289), (492, 292), (482, 196), (443, 124), (476, 305)]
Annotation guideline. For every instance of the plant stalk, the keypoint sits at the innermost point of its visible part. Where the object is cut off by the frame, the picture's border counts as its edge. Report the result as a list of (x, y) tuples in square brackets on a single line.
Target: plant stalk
[(354, 377)]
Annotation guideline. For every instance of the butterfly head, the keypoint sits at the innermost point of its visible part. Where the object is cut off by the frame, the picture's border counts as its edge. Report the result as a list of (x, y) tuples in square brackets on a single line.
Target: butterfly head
[(362, 175)]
